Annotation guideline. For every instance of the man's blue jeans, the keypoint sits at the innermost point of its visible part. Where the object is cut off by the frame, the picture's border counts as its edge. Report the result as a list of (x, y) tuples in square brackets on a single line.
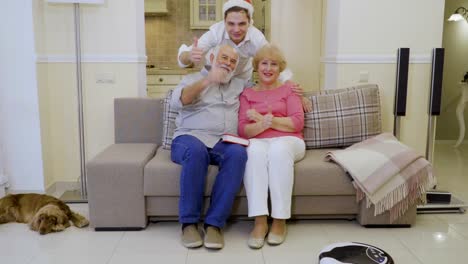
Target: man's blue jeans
[(195, 157)]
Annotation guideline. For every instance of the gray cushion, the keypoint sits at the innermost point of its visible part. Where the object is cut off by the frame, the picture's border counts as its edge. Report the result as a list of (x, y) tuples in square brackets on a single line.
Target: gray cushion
[(313, 176), (161, 176), (342, 117), (132, 120)]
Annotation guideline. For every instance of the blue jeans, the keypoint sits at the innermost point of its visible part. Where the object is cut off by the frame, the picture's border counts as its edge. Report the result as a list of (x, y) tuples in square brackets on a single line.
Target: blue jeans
[(195, 157)]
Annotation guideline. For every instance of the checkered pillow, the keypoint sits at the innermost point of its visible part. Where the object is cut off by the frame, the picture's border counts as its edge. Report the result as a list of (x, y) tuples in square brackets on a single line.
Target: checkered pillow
[(169, 126), (342, 117)]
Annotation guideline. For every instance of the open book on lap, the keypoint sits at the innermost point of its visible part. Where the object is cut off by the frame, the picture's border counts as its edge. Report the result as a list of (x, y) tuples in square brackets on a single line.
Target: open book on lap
[(235, 139)]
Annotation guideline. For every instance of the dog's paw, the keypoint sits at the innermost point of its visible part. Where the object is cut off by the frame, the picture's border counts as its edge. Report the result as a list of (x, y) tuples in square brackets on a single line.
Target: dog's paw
[(79, 220), (58, 228), (82, 223)]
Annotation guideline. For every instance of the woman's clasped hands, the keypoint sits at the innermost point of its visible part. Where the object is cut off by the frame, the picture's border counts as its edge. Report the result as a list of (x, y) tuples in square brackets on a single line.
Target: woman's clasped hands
[(265, 121)]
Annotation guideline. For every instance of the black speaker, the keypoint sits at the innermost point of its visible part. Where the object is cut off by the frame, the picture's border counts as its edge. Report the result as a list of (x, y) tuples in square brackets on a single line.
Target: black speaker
[(399, 108), (438, 55)]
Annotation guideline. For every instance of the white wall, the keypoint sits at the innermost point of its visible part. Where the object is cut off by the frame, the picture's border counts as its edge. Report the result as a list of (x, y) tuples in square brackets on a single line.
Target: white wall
[(19, 110), (378, 27), (113, 46), (455, 42), (364, 35), (296, 29)]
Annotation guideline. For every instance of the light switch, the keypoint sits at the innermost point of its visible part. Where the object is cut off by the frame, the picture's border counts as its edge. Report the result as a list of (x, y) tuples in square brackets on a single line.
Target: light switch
[(363, 76), (105, 78)]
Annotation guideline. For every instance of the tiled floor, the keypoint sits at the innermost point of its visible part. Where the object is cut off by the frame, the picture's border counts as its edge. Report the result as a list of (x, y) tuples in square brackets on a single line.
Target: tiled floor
[(435, 238)]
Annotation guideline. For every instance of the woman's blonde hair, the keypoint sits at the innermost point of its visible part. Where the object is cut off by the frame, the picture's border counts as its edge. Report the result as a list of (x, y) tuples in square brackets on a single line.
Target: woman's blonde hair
[(272, 52)]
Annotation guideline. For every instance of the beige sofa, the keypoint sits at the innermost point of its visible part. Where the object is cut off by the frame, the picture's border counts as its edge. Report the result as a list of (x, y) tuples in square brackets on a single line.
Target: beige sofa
[(134, 179)]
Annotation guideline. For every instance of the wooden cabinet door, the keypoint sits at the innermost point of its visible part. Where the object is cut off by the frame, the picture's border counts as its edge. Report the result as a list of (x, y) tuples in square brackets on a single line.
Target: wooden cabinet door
[(159, 84)]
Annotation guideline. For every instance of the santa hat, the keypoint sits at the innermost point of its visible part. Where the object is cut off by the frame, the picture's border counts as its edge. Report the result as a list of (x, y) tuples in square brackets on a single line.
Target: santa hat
[(247, 4)]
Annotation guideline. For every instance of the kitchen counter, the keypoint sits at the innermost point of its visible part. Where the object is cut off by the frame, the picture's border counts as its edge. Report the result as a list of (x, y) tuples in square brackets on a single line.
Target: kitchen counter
[(171, 71)]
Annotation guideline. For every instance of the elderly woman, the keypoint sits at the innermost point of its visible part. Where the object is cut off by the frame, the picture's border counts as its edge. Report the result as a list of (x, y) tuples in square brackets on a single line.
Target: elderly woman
[(271, 116)]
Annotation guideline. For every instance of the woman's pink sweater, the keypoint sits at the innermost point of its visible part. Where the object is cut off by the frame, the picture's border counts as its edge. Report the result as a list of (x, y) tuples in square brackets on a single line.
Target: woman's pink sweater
[(281, 102)]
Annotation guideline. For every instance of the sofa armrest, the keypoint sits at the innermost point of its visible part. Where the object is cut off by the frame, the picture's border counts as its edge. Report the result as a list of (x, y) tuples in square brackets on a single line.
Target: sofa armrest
[(138, 120), (115, 186)]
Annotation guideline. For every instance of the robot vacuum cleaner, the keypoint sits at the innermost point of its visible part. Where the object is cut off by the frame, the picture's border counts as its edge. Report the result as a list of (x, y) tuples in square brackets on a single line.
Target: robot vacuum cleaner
[(353, 253)]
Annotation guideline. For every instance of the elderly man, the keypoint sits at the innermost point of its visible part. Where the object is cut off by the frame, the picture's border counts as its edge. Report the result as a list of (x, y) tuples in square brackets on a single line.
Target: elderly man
[(208, 103)]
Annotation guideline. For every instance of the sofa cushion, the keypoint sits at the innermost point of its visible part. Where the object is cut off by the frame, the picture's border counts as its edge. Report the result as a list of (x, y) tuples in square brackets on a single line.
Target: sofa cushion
[(161, 176), (169, 116), (318, 206), (342, 117), (313, 176)]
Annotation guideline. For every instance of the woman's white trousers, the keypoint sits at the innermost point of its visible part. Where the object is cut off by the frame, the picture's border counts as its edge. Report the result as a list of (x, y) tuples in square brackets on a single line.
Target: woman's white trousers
[(270, 166)]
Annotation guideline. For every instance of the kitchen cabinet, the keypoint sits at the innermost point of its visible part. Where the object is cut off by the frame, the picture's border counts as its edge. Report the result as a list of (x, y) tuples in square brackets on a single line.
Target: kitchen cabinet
[(159, 84), (155, 7), (204, 13)]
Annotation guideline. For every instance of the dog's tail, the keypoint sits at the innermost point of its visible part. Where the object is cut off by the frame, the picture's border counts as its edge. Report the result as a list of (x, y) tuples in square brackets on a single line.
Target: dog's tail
[(78, 220)]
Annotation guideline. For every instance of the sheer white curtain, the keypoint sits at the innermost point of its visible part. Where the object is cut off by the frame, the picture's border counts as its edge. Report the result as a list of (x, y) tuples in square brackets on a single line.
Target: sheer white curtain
[(3, 178), (2, 169)]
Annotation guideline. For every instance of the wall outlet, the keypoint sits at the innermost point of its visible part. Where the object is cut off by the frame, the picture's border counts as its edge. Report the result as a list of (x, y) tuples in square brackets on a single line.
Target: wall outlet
[(105, 78)]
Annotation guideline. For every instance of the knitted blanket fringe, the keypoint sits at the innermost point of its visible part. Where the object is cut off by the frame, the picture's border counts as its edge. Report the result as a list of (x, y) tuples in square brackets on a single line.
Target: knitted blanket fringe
[(399, 200)]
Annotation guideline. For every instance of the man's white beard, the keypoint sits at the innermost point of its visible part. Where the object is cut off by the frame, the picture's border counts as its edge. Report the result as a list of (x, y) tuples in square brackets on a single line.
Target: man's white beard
[(228, 76)]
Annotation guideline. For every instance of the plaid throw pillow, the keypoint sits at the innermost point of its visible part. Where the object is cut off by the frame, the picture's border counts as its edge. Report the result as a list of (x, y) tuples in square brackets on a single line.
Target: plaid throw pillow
[(342, 117), (169, 126)]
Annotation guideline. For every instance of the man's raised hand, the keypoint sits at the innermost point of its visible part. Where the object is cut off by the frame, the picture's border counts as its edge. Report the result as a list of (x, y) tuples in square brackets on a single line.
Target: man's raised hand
[(196, 53)]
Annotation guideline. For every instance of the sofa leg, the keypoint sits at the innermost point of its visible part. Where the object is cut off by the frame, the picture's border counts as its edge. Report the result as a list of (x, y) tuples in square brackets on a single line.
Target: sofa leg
[(112, 229), (388, 226)]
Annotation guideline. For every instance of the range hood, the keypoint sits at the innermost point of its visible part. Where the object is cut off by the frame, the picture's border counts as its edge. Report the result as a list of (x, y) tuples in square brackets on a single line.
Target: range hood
[(156, 8)]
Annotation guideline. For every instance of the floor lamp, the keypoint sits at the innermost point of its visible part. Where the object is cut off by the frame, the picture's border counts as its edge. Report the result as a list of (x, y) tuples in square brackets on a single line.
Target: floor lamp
[(80, 196)]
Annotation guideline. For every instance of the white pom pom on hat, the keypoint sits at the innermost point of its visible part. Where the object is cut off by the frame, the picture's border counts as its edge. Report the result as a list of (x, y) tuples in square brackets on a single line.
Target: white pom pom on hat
[(247, 4)]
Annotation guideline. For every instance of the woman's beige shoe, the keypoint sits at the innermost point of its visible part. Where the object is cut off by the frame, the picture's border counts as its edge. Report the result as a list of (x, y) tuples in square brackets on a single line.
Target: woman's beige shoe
[(274, 239), (255, 243)]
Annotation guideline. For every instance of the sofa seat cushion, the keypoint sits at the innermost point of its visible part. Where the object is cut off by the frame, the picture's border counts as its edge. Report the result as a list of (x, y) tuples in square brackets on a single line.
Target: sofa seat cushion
[(313, 176), (161, 176)]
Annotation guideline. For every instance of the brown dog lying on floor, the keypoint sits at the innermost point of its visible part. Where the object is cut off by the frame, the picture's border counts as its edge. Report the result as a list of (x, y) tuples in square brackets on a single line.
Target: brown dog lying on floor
[(43, 213)]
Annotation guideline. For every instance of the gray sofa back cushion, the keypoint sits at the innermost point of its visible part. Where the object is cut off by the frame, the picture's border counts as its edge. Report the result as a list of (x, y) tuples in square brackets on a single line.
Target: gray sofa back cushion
[(138, 120), (342, 117)]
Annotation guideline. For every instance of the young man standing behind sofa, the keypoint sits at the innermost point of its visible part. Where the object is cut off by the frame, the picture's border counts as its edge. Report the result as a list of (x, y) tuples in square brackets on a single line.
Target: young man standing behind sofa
[(208, 104)]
